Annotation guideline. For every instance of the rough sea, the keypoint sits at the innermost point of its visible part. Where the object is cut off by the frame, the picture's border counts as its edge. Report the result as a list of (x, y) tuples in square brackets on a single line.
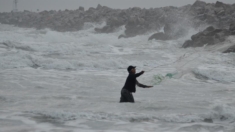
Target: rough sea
[(71, 81)]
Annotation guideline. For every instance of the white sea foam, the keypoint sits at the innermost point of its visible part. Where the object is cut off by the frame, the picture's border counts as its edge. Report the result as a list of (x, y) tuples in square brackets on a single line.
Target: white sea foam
[(71, 81)]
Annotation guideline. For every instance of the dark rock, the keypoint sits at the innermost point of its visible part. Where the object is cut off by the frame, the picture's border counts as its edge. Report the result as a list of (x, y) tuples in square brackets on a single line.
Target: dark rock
[(220, 12), (208, 120), (159, 36), (187, 43), (205, 32), (209, 36), (232, 28), (223, 118), (136, 20), (81, 8), (211, 19), (199, 3), (91, 10), (99, 7), (209, 40), (230, 49), (222, 34), (219, 4)]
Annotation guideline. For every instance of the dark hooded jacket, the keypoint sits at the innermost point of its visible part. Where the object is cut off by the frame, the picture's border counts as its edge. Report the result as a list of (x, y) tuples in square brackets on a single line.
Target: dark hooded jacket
[(131, 82)]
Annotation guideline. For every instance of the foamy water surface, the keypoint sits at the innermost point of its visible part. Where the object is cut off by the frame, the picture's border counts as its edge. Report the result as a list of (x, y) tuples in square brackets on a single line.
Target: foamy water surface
[(55, 82)]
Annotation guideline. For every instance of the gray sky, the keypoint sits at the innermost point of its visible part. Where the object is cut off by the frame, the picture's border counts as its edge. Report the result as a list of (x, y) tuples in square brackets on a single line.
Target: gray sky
[(33, 5)]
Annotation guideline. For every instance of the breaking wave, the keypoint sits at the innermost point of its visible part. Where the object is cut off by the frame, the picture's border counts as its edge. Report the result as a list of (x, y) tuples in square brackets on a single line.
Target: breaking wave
[(218, 113)]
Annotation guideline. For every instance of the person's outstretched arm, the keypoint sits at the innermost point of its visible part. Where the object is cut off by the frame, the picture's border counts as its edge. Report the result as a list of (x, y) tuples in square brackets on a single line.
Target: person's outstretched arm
[(138, 74), (142, 85)]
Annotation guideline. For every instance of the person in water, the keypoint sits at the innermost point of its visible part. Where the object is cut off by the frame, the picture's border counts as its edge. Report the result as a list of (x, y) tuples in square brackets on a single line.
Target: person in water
[(129, 87)]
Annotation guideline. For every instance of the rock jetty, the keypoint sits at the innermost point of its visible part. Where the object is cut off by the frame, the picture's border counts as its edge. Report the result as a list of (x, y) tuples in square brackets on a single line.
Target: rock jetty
[(137, 21)]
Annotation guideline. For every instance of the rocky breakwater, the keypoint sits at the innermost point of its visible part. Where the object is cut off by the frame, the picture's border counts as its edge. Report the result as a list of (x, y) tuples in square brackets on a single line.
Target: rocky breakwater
[(211, 36), (171, 31), (219, 15), (67, 20), (55, 20), (175, 20), (152, 20)]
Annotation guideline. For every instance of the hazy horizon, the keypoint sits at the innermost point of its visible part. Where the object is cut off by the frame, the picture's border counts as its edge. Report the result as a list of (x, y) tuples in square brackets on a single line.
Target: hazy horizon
[(33, 5)]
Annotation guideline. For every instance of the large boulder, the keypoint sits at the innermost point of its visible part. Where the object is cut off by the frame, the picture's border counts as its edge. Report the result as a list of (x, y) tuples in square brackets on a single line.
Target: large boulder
[(230, 49), (198, 3), (219, 4), (197, 8), (220, 11), (209, 36), (81, 8), (187, 43), (205, 32), (232, 28), (99, 7), (210, 40)]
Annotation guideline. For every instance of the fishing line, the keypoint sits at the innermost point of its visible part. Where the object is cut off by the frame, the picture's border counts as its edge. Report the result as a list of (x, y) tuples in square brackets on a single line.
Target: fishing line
[(157, 79), (179, 59)]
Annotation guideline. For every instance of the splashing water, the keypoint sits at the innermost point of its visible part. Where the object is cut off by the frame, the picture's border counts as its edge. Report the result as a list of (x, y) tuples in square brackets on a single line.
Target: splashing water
[(71, 81)]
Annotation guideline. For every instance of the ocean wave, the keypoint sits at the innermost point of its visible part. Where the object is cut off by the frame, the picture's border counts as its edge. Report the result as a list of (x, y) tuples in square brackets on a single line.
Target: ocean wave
[(62, 116), (219, 113), (15, 45), (87, 50), (222, 112), (219, 73)]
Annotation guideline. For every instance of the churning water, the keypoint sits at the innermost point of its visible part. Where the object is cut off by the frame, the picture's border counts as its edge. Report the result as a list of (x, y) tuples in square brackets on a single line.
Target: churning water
[(71, 81)]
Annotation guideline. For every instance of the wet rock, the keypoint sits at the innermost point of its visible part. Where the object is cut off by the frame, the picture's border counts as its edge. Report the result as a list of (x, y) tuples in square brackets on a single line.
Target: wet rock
[(232, 28), (208, 120), (136, 20), (187, 43), (204, 40), (230, 49), (209, 36), (99, 7), (220, 11), (205, 32), (81, 8), (219, 4), (199, 3)]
